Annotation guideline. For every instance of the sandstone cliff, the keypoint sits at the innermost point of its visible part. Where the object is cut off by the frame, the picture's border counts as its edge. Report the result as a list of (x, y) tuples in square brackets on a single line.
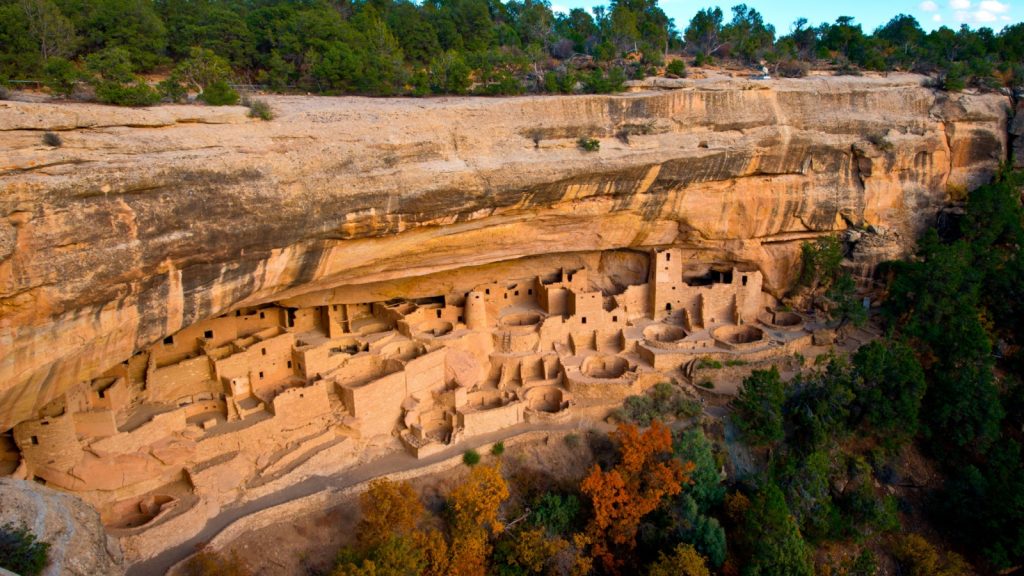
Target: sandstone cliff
[(78, 544), (146, 221)]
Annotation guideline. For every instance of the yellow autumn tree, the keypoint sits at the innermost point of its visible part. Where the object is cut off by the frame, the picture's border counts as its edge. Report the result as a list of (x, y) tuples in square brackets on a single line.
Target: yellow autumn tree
[(684, 561), (475, 506), (389, 508), (476, 501)]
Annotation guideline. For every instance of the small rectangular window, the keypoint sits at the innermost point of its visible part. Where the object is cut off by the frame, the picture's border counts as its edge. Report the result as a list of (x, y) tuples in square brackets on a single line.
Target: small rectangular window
[(584, 319), (438, 313), (261, 375), (208, 334), (264, 351), (529, 292), (744, 280), (668, 257), (487, 291), (615, 318), (289, 363), (169, 340), (35, 440), (517, 292), (262, 315)]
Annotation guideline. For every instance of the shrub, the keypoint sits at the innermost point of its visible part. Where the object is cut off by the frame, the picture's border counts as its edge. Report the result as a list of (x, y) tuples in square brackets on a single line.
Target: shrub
[(735, 362), (880, 141), (60, 76), (710, 363), (955, 78), (676, 68), (498, 449), (589, 144), (598, 82), (706, 384), (138, 94), (792, 69), (703, 60), (919, 558), (52, 139), (20, 552), (555, 83), (219, 94), (258, 109), (471, 457), (171, 88), (572, 440)]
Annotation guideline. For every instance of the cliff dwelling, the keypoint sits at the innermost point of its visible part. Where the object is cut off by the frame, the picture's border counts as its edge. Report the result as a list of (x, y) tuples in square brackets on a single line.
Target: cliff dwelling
[(246, 397)]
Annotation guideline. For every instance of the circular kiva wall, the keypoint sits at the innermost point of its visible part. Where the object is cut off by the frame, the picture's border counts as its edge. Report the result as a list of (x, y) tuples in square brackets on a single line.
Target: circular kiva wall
[(738, 336), (666, 333), (521, 319), (604, 366), (545, 399)]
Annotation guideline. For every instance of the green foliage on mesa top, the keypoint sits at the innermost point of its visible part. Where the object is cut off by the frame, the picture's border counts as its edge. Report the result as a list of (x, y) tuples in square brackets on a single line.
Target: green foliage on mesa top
[(389, 47), (20, 552)]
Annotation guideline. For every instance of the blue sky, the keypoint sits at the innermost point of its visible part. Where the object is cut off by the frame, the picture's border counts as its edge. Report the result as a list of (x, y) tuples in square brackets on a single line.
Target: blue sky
[(870, 13)]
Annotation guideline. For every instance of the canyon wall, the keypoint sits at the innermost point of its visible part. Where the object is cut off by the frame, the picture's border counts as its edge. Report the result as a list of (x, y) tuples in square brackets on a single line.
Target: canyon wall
[(148, 220)]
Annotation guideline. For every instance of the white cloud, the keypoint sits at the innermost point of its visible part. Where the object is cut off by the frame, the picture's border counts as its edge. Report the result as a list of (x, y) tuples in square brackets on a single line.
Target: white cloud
[(994, 6), (1004, 18), (982, 16), (928, 6), (562, 9), (937, 17), (959, 4)]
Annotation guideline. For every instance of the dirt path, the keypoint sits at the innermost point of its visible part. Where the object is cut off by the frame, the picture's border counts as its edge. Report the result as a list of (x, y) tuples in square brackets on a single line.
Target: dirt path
[(390, 464)]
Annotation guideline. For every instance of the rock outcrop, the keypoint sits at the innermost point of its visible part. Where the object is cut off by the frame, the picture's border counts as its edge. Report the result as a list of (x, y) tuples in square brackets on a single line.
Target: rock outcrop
[(146, 221), (79, 546)]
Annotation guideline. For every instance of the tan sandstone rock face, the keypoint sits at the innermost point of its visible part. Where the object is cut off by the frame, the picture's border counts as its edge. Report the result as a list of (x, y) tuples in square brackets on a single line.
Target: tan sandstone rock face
[(78, 544), (146, 221)]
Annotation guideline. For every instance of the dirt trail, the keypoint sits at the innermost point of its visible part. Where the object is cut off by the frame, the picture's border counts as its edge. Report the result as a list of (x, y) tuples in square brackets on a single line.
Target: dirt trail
[(390, 464)]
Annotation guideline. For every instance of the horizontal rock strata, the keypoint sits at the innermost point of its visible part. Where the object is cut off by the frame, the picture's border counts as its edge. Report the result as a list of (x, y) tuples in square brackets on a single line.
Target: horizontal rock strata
[(146, 221)]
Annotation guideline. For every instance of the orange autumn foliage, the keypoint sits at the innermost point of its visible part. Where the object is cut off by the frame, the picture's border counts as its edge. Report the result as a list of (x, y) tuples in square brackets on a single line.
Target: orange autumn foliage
[(646, 474)]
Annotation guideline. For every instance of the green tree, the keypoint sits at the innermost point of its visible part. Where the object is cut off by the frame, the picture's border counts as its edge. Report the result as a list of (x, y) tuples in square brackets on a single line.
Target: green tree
[(889, 385), (133, 25), (21, 552), (704, 31), (706, 487), (773, 541), (203, 68), (449, 73), (19, 54), (53, 33), (747, 33), (817, 407), (757, 409)]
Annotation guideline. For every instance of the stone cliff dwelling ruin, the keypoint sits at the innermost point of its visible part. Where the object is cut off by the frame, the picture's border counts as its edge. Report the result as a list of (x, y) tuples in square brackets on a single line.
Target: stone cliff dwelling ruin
[(243, 398)]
